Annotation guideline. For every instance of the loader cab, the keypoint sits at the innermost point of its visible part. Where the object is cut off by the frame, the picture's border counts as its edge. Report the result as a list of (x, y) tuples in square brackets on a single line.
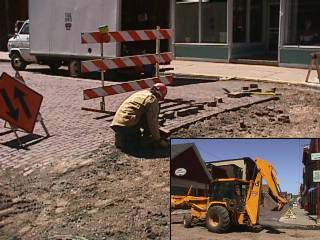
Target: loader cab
[(232, 191)]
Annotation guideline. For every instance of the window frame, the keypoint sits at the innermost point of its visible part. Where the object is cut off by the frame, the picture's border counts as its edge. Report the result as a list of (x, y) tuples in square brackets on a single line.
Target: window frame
[(200, 25)]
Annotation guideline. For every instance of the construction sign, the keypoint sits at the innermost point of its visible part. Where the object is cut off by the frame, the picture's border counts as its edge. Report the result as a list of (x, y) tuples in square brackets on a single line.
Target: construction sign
[(19, 104)]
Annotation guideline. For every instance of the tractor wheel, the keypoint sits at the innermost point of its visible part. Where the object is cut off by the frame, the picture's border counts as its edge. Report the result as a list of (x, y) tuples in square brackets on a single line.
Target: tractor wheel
[(187, 221), (218, 219)]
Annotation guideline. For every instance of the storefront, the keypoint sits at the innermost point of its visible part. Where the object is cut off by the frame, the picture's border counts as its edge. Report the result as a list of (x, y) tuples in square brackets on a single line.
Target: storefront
[(282, 31), (301, 35)]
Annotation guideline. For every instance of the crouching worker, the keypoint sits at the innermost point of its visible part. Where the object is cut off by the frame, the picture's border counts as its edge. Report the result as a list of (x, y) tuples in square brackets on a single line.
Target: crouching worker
[(140, 112)]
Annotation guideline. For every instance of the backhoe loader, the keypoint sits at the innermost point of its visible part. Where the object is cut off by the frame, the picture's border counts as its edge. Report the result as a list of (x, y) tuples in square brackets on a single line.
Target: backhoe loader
[(231, 201)]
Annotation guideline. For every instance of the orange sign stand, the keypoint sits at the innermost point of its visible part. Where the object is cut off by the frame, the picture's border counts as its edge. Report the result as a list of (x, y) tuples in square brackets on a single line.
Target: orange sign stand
[(19, 104)]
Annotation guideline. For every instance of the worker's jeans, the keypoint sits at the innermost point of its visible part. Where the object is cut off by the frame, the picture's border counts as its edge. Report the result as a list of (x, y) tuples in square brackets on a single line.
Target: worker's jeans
[(130, 137)]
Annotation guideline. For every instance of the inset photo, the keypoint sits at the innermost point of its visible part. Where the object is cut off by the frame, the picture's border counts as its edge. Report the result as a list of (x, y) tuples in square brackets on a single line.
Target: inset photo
[(245, 189)]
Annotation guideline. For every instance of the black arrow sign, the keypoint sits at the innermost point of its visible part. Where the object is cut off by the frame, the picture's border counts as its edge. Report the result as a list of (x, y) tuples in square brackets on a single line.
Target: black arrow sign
[(13, 112), (20, 96)]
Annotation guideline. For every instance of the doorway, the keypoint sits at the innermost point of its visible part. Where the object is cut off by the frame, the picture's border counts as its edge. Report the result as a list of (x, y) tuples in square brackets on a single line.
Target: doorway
[(255, 32), (141, 15), (273, 18)]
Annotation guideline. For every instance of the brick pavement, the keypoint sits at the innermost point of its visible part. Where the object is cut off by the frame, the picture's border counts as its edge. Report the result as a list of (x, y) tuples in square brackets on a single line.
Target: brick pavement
[(75, 133)]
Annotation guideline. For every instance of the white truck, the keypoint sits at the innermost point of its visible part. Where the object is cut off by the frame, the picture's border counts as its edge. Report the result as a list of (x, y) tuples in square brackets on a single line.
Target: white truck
[(52, 35)]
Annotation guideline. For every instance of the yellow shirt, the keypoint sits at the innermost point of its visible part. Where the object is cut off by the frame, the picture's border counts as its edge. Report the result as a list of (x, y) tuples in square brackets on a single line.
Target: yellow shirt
[(134, 107)]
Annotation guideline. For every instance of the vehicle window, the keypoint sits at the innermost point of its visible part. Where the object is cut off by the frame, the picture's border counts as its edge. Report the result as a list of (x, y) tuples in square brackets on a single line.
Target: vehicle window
[(25, 29)]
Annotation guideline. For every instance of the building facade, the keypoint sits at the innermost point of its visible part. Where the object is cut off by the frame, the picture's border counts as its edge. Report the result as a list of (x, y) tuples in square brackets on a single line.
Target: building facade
[(283, 32), (186, 157), (310, 189)]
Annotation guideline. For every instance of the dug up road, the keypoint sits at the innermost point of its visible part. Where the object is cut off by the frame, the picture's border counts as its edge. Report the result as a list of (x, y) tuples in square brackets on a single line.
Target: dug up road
[(107, 195), (76, 185), (300, 104)]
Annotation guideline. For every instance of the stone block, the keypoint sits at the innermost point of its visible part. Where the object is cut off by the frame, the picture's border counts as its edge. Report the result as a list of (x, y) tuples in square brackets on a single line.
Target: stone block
[(212, 104), (254, 85), (169, 115), (238, 94)]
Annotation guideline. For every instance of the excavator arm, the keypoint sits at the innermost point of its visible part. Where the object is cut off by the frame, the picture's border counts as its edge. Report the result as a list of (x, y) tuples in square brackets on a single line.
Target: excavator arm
[(266, 171)]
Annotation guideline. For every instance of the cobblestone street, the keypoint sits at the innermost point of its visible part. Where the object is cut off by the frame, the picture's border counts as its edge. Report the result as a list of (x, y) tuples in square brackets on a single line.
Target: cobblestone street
[(74, 132)]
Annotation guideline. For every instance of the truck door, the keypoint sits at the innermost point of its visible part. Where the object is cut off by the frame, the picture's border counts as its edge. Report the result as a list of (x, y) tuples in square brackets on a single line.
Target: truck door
[(23, 36)]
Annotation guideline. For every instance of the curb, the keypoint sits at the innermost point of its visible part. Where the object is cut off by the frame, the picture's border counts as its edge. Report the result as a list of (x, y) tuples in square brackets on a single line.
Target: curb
[(224, 78), (4, 60)]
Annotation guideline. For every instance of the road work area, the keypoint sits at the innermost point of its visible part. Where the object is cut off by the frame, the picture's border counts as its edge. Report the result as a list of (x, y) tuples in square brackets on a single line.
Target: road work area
[(76, 185)]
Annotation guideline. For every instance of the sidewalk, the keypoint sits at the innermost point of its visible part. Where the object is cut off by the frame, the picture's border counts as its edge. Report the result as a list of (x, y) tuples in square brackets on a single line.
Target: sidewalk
[(4, 57), (302, 218), (228, 71)]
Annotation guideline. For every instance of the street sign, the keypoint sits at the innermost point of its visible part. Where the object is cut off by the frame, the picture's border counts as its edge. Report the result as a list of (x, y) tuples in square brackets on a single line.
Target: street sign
[(316, 176), (180, 172), (315, 156), (19, 104)]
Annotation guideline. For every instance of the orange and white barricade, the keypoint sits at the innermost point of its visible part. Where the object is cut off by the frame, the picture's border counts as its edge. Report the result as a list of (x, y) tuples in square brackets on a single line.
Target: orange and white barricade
[(126, 36), (125, 87), (104, 64)]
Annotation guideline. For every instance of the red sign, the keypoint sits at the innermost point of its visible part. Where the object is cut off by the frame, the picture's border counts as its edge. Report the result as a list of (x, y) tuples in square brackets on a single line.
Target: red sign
[(19, 104)]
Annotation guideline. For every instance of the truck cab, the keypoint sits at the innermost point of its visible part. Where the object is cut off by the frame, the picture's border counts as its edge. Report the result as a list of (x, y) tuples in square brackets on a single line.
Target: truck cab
[(19, 48)]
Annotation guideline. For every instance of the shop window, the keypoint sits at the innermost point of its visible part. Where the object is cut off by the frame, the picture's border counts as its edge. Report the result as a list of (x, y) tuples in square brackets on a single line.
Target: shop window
[(256, 21), (239, 20), (214, 21), (303, 23), (187, 21)]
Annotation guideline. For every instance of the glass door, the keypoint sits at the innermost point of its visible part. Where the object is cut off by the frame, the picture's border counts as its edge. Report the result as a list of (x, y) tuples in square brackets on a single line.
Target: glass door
[(273, 25)]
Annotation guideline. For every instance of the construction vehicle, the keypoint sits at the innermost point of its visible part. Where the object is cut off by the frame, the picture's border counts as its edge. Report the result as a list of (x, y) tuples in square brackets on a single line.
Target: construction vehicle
[(231, 201)]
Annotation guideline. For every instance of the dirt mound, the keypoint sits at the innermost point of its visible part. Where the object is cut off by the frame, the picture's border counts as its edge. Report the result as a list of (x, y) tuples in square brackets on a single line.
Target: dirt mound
[(108, 195)]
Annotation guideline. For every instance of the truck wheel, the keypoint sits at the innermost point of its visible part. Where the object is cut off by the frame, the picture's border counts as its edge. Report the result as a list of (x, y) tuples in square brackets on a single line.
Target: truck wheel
[(17, 62), (54, 65), (187, 221), (218, 219), (74, 68)]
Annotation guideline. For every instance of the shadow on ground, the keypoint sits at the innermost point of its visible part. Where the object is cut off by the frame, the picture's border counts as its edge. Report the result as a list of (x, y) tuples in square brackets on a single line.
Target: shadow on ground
[(123, 76), (25, 141), (148, 153), (247, 229)]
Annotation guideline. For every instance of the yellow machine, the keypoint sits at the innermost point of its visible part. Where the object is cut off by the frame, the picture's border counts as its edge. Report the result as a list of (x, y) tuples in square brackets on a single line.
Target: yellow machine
[(231, 201)]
